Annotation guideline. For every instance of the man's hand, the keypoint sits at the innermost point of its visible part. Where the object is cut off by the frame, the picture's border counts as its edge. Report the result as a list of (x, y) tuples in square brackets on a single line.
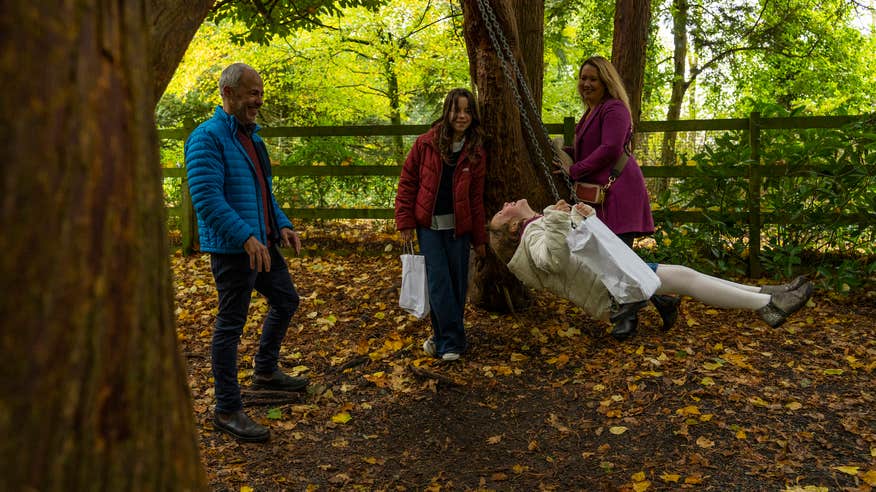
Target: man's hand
[(290, 239), (407, 235), (259, 256)]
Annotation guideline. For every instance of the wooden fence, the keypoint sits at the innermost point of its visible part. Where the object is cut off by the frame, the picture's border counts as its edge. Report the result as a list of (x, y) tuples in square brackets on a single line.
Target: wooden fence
[(754, 172)]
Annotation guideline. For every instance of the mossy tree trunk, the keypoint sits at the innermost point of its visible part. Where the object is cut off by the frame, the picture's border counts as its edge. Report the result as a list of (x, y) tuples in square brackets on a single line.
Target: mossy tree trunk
[(94, 393), (511, 172)]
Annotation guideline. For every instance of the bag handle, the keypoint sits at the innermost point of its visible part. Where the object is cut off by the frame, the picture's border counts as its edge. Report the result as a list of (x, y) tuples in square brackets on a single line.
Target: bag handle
[(408, 247), (617, 169)]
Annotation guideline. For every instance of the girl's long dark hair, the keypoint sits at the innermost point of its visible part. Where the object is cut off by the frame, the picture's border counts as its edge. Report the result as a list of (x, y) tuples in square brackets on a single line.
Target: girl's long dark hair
[(474, 134)]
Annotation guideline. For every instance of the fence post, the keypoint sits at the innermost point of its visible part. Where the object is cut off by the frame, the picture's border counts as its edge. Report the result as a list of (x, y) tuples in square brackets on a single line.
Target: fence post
[(568, 131), (188, 220), (754, 189)]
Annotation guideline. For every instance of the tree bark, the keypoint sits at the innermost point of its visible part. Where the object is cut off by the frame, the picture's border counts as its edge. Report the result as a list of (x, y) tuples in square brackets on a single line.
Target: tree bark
[(632, 19), (94, 392), (511, 173), (679, 83), (173, 24)]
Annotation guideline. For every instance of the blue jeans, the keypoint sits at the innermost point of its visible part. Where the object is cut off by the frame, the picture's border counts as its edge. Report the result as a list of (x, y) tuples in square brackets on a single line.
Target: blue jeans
[(447, 276), (235, 281)]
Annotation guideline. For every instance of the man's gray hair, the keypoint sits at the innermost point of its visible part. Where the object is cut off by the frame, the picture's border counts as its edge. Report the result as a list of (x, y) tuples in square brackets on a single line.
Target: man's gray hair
[(231, 76)]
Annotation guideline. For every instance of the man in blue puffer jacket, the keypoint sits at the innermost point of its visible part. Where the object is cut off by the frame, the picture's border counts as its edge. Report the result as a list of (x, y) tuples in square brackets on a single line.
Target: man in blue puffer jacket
[(242, 226)]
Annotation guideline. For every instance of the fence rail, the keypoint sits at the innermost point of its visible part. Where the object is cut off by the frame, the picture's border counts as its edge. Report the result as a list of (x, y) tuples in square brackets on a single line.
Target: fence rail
[(754, 172)]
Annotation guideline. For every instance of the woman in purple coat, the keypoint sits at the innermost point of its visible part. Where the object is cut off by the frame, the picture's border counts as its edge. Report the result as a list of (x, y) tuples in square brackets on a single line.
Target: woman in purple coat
[(602, 136)]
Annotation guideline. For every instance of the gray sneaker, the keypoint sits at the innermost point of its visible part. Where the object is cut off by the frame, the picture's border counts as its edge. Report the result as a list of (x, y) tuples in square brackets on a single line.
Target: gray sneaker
[(429, 347), (792, 285), (784, 304)]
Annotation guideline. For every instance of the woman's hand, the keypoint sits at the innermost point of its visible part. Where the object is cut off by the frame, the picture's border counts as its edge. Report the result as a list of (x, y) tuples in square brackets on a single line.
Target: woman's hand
[(563, 206), (407, 235), (562, 165), (584, 209)]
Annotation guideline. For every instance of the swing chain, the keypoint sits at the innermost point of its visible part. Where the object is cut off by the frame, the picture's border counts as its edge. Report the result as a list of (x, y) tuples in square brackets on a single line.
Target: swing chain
[(506, 57)]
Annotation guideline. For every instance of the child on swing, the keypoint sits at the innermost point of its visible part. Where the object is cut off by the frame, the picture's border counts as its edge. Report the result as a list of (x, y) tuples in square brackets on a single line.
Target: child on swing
[(534, 248)]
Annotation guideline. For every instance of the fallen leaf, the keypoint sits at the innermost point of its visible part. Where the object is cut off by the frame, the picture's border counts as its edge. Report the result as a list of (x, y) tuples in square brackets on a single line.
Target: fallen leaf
[(670, 477), (641, 486), (342, 418), (617, 430), (494, 439), (638, 477), (870, 477), (848, 470), (794, 405), (704, 442)]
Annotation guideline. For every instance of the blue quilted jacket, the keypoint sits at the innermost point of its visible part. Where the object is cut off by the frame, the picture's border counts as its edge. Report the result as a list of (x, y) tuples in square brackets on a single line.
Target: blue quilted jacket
[(224, 187)]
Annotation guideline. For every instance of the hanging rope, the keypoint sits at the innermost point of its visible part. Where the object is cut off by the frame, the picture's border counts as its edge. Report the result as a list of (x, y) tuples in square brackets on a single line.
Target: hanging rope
[(506, 58)]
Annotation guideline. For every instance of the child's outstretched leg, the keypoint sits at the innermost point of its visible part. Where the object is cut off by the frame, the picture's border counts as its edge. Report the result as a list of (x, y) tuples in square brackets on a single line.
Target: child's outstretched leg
[(772, 308)]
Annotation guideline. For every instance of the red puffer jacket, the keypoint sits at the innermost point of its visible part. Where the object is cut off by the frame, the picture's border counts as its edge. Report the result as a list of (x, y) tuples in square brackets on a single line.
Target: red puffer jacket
[(418, 189)]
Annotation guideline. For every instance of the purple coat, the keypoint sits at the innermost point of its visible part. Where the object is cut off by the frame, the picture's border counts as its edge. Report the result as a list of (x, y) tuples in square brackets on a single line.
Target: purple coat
[(599, 142)]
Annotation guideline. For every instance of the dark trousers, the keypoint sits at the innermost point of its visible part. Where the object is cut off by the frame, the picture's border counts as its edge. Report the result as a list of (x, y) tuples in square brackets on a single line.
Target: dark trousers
[(447, 276), (235, 281)]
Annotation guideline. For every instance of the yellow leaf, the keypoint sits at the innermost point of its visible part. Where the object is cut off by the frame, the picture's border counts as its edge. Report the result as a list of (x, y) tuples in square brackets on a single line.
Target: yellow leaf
[(833, 372), (870, 477), (494, 439), (848, 470), (694, 479), (794, 405), (638, 477), (515, 357), (740, 434), (641, 486), (704, 442), (711, 366), (617, 430), (245, 488), (640, 350), (518, 469), (707, 381), (670, 477), (756, 400), (688, 410), (342, 418)]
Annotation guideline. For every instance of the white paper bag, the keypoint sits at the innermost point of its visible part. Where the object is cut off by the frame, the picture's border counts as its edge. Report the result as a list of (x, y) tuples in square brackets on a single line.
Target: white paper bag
[(414, 296), (624, 274)]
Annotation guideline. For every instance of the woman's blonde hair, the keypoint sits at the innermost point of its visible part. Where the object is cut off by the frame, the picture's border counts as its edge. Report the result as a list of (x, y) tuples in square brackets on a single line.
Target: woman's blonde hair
[(609, 77)]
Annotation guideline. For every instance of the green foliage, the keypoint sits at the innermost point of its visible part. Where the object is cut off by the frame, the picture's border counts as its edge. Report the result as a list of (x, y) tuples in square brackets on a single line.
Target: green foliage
[(266, 20), (830, 173)]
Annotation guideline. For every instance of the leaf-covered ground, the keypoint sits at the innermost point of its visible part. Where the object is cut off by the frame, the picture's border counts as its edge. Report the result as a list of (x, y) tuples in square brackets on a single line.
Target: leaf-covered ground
[(545, 400)]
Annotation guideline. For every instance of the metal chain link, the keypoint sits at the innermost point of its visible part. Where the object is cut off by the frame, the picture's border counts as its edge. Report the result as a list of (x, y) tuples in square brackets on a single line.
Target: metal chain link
[(506, 57)]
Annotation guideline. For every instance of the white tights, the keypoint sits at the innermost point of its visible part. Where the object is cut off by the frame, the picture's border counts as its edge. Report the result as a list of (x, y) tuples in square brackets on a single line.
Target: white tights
[(681, 280)]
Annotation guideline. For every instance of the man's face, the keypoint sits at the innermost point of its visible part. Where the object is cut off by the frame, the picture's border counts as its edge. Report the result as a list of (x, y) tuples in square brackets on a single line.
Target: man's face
[(245, 100)]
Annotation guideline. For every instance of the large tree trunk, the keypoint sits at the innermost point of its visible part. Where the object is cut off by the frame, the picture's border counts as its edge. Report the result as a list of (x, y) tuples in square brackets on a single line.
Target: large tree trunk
[(94, 393), (632, 19), (511, 173)]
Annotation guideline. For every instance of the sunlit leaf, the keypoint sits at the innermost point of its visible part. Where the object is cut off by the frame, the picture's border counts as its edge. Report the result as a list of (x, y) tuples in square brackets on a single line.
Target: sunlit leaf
[(341, 418), (638, 477), (617, 430), (848, 470), (670, 477)]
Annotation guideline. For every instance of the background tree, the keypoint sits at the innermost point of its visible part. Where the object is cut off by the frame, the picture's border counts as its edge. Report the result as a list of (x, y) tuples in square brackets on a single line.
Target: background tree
[(94, 391), (632, 21)]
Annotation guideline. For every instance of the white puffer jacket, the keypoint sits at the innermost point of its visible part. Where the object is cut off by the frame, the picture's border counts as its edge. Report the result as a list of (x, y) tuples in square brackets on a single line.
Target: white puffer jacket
[(543, 261)]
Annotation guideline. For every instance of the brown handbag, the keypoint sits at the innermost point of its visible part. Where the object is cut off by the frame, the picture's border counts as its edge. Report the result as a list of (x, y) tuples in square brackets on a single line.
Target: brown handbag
[(595, 193)]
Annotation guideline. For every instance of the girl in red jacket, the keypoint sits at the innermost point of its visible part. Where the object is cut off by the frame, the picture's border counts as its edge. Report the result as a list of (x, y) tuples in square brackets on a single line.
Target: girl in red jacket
[(440, 195)]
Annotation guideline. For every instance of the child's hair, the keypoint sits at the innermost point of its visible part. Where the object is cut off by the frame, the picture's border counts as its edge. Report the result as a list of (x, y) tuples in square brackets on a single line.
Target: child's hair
[(504, 242)]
